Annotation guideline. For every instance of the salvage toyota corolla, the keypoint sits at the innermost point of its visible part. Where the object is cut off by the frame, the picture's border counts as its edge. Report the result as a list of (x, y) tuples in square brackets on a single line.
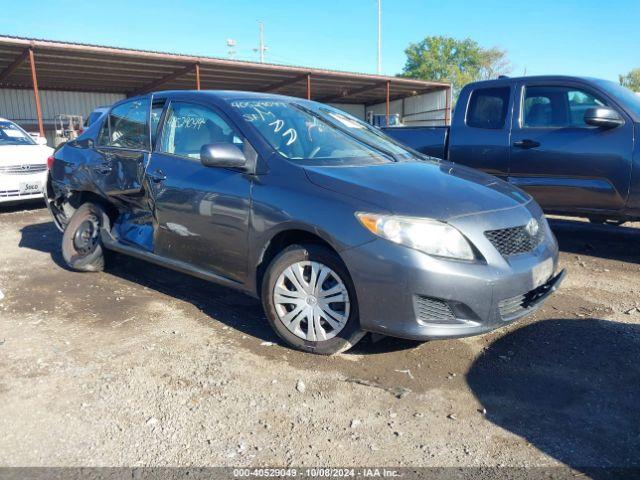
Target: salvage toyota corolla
[(337, 228)]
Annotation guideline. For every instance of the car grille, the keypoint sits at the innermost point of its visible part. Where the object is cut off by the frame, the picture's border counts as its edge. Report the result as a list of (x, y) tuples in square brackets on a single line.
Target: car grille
[(432, 310), (514, 240), (513, 307), (21, 169), (14, 193)]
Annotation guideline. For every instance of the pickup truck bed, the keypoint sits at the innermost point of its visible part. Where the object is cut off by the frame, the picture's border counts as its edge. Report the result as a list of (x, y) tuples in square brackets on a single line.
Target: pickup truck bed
[(431, 141)]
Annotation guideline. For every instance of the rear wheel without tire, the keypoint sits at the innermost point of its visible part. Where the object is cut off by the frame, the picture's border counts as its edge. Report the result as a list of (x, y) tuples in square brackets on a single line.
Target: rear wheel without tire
[(81, 245), (310, 300)]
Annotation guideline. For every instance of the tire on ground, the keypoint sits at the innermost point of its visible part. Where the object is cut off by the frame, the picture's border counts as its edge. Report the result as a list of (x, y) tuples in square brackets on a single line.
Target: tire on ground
[(82, 248), (350, 333)]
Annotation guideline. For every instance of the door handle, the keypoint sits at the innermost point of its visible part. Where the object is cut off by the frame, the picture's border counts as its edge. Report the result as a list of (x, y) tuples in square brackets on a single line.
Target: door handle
[(526, 143), (157, 176)]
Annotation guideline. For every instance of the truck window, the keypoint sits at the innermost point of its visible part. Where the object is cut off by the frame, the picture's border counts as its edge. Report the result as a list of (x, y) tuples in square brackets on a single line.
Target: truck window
[(556, 107), (488, 108), (127, 126), (188, 127)]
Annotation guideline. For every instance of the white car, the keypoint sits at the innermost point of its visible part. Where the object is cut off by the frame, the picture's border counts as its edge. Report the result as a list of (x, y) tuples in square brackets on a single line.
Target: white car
[(23, 164)]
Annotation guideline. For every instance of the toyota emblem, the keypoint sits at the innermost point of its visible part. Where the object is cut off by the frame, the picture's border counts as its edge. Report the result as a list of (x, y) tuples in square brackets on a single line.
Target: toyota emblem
[(26, 167), (532, 227)]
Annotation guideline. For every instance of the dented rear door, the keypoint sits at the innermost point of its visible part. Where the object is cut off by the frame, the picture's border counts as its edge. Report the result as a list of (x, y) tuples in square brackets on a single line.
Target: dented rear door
[(123, 149)]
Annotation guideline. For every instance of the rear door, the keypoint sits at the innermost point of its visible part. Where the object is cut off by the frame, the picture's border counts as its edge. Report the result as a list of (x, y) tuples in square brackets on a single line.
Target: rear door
[(565, 164), (123, 148), (480, 137)]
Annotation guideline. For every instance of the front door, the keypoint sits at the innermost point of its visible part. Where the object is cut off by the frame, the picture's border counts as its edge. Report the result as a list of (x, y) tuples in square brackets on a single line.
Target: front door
[(565, 164), (201, 213)]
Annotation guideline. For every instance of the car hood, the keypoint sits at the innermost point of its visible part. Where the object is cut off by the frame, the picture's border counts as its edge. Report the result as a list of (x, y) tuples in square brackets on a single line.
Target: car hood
[(23, 154), (439, 190)]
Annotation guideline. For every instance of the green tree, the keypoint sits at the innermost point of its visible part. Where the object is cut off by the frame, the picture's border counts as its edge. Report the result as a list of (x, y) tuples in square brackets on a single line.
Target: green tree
[(631, 80), (457, 61)]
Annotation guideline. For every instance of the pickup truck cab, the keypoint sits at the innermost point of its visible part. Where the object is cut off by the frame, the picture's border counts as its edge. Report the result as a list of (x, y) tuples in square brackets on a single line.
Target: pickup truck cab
[(572, 143)]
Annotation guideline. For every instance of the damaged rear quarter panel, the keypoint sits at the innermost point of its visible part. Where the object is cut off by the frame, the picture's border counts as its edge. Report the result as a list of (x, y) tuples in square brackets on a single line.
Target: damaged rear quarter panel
[(115, 175), (104, 171)]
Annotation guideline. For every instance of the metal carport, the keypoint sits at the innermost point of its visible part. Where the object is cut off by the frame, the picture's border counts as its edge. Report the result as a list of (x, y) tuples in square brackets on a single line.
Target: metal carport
[(38, 65)]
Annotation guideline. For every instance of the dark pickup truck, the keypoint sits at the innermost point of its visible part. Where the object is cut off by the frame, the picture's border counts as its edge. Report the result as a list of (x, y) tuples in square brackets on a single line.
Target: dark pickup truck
[(572, 143)]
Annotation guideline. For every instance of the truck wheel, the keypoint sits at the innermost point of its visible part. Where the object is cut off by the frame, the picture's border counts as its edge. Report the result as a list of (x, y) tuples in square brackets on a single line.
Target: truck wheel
[(310, 301), (81, 245)]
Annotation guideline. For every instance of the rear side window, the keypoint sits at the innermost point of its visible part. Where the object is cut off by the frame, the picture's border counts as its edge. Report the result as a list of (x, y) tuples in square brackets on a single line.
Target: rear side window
[(488, 108), (127, 126)]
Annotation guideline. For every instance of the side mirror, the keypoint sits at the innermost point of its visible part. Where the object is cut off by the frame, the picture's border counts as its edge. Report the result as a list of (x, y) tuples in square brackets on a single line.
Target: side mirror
[(41, 140), (603, 117), (225, 155)]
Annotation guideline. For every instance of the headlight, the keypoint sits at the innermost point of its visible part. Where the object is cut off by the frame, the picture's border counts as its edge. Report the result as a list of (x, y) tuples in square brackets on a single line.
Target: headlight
[(428, 236)]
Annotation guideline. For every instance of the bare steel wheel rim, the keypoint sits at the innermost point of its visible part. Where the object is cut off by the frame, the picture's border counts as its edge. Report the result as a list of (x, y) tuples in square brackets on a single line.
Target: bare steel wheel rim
[(85, 238), (311, 300)]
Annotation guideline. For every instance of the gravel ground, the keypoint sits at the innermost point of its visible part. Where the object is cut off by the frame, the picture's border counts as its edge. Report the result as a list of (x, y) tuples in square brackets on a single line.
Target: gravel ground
[(140, 366)]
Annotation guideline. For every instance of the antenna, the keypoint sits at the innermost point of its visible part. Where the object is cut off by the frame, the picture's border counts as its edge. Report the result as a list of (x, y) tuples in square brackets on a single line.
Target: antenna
[(262, 48), (231, 43), (379, 70)]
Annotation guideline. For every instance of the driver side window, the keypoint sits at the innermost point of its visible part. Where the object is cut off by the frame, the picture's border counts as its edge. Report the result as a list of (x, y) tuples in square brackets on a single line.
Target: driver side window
[(189, 126), (557, 107)]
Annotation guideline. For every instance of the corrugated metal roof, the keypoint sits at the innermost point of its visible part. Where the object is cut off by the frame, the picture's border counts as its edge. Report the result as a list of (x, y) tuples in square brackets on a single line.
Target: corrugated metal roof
[(96, 68)]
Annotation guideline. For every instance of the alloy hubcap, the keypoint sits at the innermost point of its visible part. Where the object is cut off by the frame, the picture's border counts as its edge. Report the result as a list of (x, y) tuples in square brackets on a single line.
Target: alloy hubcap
[(312, 301)]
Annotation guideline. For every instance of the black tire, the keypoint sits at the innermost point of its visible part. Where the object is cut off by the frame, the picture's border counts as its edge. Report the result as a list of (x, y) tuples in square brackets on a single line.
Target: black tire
[(82, 248), (348, 336)]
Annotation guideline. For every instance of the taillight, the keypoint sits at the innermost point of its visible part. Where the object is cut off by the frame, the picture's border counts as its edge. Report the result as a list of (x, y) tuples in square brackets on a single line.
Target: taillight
[(50, 161)]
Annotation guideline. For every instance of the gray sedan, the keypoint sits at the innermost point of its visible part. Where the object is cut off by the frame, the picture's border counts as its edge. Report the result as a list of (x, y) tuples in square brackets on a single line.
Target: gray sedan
[(337, 228)]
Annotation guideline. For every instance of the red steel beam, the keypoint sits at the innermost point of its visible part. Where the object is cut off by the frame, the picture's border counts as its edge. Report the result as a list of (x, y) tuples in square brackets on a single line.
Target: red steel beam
[(284, 83), (197, 76), (14, 65), (167, 78), (36, 93), (447, 93), (308, 86), (350, 93), (388, 100)]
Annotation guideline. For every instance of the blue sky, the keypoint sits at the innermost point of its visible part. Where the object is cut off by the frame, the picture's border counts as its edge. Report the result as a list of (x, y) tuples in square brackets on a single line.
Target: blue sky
[(587, 37)]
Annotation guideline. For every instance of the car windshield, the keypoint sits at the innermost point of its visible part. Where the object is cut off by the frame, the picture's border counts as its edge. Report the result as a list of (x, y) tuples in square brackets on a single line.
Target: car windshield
[(12, 134), (298, 134), (628, 99), (367, 133)]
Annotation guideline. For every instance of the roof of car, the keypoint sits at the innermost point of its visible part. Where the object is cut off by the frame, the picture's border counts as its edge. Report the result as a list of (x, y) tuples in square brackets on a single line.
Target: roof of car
[(230, 94), (534, 78)]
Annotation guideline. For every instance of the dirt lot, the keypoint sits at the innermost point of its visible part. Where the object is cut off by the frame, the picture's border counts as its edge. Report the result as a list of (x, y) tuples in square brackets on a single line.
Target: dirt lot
[(143, 366)]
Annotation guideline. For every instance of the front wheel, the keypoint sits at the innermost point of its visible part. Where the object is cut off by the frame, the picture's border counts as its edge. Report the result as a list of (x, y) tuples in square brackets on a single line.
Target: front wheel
[(310, 301), (81, 245)]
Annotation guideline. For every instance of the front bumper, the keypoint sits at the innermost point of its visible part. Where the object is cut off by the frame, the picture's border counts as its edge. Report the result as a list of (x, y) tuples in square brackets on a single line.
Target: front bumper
[(10, 187), (405, 293)]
